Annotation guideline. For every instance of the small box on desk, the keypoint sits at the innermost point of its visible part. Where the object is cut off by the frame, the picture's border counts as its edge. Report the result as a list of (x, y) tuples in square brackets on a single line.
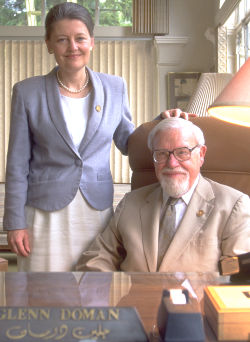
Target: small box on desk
[(179, 317), (227, 309)]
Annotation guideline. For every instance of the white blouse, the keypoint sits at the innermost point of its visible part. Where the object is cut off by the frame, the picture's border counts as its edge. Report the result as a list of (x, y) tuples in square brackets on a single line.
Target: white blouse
[(76, 114)]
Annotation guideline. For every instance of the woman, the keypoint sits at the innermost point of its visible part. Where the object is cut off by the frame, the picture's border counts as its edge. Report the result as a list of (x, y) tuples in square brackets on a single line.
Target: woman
[(59, 188)]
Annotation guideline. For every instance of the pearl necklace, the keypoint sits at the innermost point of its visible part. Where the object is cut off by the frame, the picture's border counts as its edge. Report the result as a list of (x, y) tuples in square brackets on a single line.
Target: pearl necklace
[(70, 90)]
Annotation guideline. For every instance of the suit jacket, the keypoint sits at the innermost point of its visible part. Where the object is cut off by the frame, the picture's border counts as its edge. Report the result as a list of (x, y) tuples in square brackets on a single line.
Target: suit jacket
[(215, 224), (44, 168)]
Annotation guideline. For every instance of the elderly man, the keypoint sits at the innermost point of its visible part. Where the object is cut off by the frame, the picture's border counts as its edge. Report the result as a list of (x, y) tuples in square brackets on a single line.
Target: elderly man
[(183, 223)]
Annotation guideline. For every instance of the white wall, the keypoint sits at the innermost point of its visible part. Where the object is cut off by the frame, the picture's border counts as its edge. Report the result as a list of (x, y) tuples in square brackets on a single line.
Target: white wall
[(186, 48)]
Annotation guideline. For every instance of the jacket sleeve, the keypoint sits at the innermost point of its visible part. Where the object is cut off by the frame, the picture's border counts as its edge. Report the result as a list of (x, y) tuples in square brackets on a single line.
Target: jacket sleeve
[(236, 234), (17, 164), (125, 127)]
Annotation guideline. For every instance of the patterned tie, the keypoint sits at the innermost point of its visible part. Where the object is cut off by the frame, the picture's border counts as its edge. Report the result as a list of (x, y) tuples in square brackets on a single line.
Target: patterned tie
[(167, 228)]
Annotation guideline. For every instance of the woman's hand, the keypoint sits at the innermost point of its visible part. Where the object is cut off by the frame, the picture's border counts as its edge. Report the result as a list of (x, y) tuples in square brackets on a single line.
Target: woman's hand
[(18, 241), (176, 113)]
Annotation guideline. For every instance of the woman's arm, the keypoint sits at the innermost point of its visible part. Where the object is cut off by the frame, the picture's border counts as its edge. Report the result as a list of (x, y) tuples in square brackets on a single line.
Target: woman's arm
[(16, 176)]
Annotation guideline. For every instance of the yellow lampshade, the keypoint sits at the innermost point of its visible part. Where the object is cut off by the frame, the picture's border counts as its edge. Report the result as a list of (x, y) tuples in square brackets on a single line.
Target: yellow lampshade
[(233, 103)]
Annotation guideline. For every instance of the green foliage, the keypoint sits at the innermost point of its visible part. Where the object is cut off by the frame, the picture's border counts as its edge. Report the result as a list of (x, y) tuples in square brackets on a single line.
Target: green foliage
[(111, 12), (13, 13), (116, 13)]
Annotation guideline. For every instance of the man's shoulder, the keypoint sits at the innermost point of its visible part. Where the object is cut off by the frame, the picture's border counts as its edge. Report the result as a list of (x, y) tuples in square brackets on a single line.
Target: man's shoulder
[(223, 190), (144, 191), (136, 199)]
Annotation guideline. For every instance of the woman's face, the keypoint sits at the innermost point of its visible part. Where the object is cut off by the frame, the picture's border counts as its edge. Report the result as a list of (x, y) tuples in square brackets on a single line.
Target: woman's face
[(71, 44)]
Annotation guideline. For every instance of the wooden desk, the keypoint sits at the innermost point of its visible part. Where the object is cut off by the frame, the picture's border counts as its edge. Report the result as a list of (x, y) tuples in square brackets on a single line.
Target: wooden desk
[(141, 290)]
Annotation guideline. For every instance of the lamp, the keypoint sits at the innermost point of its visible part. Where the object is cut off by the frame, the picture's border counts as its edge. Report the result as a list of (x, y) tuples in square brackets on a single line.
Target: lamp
[(233, 103), (208, 88)]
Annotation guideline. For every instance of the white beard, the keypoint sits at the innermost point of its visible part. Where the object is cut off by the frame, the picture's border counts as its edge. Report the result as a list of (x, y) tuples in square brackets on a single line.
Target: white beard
[(175, 188)]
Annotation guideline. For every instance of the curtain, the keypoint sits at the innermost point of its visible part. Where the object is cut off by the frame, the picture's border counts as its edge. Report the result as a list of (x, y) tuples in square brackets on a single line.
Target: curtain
[(150, 16)]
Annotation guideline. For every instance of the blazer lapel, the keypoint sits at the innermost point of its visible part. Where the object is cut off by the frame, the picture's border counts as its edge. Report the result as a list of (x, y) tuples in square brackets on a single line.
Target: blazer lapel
[(199, 208), (150, 215), (96, 110), (55, 108)]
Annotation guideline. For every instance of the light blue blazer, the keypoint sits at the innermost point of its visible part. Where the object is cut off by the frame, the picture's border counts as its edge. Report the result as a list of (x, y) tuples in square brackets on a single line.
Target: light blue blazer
[(44, 168)]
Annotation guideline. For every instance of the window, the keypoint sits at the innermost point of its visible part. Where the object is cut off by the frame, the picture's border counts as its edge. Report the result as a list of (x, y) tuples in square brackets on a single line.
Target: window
[(237, 29), (221, 3), (240, 22), (33, 12)]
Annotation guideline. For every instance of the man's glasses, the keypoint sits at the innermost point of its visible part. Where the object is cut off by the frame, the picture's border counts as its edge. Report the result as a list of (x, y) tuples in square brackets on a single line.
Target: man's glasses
[(181, 154)]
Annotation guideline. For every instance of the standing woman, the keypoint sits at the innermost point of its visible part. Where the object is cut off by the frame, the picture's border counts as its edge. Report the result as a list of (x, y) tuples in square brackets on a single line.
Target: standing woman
[(59, 188)]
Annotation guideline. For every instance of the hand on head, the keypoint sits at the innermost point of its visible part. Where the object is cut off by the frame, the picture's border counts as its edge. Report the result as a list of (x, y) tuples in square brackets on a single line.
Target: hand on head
[(176, 113)]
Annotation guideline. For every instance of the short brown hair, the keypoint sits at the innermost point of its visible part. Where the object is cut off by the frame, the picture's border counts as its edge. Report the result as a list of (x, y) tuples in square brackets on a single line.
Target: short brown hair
[(68, 10)]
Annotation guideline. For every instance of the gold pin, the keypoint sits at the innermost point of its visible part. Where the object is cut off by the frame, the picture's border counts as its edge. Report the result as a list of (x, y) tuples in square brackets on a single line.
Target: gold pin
[(199, 213), (98, 108)]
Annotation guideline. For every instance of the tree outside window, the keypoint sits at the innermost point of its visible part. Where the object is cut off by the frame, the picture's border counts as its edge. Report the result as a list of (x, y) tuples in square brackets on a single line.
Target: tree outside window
[(33, 12)]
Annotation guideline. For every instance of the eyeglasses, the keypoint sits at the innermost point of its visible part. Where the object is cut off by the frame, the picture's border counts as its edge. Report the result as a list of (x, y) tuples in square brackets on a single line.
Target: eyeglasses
[(181, 154)]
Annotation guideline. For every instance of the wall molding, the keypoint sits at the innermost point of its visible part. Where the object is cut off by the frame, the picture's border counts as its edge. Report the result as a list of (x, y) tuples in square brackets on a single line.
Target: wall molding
[(173, 46)]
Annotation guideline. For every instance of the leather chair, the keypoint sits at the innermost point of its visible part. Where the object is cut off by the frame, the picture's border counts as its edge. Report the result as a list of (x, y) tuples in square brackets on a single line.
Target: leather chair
[(226, 160)]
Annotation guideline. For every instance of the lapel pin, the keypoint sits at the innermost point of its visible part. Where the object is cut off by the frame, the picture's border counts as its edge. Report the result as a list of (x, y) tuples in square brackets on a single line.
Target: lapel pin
[(98, 108), (200, 213)]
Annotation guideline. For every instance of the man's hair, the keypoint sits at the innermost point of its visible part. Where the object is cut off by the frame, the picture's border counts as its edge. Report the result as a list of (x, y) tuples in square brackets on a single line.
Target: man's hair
[(68, 10), (176, 123)]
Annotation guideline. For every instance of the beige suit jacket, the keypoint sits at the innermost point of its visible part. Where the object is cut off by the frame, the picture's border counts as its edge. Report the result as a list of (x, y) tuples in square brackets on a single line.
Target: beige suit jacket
[(215, 224)]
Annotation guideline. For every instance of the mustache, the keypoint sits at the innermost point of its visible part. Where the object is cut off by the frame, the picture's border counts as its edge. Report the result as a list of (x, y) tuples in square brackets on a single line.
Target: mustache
[(178, 169)]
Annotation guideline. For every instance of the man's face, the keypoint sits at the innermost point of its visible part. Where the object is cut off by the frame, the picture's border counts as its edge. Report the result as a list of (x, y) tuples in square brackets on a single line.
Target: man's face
[(177, 177)]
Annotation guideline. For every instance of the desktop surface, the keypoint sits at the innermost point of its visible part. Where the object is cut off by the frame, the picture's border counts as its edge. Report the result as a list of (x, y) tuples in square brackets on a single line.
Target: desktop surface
[(94, 289)]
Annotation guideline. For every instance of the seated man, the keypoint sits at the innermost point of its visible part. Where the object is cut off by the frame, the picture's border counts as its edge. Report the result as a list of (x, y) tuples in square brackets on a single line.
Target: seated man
[(148, 233)]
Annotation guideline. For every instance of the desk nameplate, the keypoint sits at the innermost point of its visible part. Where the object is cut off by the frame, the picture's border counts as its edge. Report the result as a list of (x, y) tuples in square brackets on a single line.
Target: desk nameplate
[(71, 324)]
